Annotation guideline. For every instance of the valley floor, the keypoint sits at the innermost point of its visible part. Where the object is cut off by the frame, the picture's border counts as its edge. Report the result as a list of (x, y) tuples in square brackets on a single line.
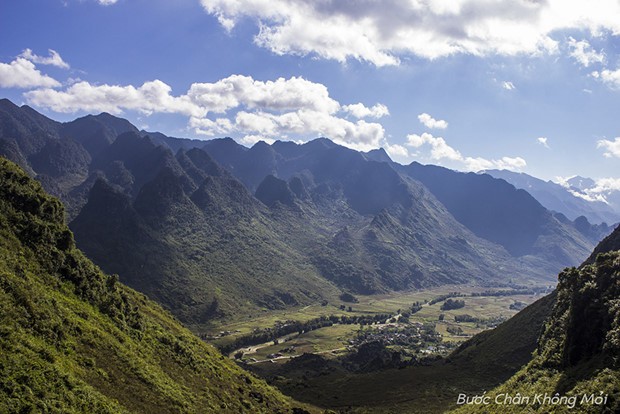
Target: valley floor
[(314, 363)]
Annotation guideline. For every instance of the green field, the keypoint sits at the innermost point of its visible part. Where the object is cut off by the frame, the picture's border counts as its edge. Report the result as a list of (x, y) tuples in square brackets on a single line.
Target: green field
[(337, 336)]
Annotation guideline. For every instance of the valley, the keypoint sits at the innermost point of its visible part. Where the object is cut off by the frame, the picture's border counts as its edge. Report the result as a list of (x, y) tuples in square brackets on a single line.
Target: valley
[(421, 339), (343, 280), (478, 304), (309, 207)]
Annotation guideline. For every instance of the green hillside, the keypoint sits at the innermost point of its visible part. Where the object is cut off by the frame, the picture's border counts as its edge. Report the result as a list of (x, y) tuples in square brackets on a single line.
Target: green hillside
[(73, 339), (577, 355)]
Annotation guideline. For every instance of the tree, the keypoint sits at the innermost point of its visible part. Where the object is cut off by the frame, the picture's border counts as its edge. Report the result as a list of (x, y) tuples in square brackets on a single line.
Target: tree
[(450, 304)]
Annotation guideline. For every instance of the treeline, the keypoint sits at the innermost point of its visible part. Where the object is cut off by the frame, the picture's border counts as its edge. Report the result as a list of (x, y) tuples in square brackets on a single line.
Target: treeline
[(480, 321), (262, 335), (441, 298), (451, 304), (511, 292), (503, 292)]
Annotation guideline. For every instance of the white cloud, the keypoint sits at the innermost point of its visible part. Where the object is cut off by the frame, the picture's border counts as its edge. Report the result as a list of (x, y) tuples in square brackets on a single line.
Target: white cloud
[(604, 185), (253, 139), (53, 59), (612, 148), (152, 96), (247, 107), (359, 110), (504, 163), (208, 127), (397, 151), (509, 86), (543, 141), (281, 94), (609, 77), (440, 150), (22, 73), (432, 123), (107, 2), (583, 53), (598, 192), (383, 32)]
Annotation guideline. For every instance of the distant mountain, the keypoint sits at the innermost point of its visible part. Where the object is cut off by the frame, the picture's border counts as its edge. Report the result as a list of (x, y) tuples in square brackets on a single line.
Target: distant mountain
[(73, 339), (558, 198), (497, 211), (203, 229)]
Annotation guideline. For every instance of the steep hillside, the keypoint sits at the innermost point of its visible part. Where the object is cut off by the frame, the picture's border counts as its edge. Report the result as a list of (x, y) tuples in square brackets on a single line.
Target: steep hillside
[(192, 237), (577, 354), (73, 339)]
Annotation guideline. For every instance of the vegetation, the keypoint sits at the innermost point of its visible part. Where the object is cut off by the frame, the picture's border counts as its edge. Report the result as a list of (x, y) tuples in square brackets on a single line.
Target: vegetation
[(577, 354), (73, 339), (451, 304), (262, 335)]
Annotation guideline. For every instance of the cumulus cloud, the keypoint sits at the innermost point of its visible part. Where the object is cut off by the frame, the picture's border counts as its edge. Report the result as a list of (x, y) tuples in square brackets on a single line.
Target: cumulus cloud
[(543, 141), (359, 110), (250, 140), (611, 148), (509, 86), (583, 53), (22, 73), (432, 123), (440, 150), (397, 151), (383, 32), (107, 2), (153, 96), (606, 185), (53, 59), (234, 105), (611, 78), (504, 163), (281, 94)]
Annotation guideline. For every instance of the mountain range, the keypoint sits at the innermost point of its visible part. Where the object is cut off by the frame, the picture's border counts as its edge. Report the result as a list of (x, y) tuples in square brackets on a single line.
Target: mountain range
[(571, 199), (202, 226)]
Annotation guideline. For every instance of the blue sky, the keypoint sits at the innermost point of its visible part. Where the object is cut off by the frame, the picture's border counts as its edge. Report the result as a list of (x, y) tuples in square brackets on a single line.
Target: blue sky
[(526, 85)]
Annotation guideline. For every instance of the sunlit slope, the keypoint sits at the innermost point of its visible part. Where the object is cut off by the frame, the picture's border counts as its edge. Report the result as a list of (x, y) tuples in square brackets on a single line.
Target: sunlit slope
[(73, 339)]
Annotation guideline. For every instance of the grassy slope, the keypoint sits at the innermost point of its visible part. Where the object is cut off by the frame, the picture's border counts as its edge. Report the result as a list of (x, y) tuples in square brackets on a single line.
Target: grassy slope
[(579, 348), (74, 340)]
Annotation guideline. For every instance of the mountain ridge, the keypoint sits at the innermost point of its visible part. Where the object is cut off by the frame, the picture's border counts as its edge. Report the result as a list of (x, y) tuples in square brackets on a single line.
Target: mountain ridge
[(194, 220), (73, 339)]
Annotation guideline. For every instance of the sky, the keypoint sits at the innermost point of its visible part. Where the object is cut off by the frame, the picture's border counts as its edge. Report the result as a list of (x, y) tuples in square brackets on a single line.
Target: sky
[(527, 85)]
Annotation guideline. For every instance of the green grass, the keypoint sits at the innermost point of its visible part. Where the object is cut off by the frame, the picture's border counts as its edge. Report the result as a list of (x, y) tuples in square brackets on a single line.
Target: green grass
[(321, 341), (479, 364), (477, 306), (74, 340)]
